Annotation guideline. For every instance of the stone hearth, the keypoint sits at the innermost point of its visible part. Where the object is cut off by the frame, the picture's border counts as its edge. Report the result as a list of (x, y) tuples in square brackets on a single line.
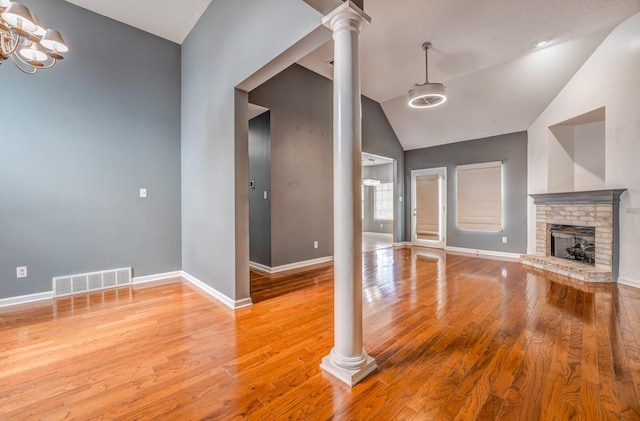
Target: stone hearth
[(597, 209)]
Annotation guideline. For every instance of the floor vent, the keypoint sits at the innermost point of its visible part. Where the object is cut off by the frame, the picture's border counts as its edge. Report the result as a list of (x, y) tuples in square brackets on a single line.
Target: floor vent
[(94, 281)]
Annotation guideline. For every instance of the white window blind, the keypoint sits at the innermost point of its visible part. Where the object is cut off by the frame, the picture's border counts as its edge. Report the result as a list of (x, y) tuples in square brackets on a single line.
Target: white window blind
[(428, 207), (383, 202), (479, 196)]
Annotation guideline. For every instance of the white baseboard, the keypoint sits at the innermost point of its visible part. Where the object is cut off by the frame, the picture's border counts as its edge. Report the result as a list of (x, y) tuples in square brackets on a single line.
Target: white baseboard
[(25, 299), (233, 304), (290, 266), (260, 267), (403, 244), (487, 254), (629, 282), (156, 277)]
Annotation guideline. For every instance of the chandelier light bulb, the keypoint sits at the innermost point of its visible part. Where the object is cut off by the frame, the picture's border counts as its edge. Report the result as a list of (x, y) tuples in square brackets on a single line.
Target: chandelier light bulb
[(53, 41), (19, 16), (33, 52)]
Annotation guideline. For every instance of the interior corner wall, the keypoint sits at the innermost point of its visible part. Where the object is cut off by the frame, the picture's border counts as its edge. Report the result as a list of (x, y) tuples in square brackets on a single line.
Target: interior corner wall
[(231, 41), (511, 149), (301, 105), (378, 138), (608, 78), (77, 143)]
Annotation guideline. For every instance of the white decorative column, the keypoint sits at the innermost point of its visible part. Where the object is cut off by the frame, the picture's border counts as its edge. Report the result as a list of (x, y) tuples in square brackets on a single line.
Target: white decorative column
[(348, 361)]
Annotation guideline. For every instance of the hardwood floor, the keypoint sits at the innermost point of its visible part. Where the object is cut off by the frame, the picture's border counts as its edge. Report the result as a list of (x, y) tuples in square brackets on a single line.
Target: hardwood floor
[(454, 338)]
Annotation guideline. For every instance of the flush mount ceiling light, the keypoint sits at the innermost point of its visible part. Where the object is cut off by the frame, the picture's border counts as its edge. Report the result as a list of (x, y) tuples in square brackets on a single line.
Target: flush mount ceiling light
[(427, 95), (25, 41), (541, 42)]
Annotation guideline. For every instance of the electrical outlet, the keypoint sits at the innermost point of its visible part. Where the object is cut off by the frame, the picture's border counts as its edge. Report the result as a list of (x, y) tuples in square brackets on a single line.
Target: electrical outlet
[(143, 192), (381, 225), (315, 244), (504, 240), (21, 272)]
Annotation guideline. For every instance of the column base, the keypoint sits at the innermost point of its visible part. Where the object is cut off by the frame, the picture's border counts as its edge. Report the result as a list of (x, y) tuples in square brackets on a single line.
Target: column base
[(348, 375)]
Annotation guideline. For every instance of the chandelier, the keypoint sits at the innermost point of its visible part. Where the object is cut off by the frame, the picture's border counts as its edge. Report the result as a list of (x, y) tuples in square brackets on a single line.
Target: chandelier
[(25, 41)]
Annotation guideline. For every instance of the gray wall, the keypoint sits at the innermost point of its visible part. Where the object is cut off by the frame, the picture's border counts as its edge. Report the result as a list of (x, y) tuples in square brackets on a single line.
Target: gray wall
[(511, 149), (301, 163), (384, 173), (220, 53), (378, 138), (77, 143), (260, 174), (302, 160)]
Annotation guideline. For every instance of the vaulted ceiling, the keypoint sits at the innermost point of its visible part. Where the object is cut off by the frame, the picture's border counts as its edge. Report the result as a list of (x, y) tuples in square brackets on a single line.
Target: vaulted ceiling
[(497, 81)]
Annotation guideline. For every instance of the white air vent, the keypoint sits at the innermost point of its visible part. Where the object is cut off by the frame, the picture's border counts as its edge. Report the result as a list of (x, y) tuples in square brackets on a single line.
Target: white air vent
[(85, 282)]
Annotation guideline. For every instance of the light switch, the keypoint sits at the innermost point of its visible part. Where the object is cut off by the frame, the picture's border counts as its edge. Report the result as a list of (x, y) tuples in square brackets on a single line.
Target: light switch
[(265, 195), (143, 192)]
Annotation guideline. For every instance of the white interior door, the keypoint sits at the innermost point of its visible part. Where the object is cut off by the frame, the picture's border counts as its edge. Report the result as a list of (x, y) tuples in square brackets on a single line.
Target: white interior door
[(429, 207)]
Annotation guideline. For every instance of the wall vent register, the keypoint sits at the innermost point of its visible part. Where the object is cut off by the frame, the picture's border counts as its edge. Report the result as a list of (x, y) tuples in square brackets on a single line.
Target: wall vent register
[(93, 281)]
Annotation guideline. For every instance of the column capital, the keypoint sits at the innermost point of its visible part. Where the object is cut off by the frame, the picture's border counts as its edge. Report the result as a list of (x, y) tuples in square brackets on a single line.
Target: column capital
[(347, 15)]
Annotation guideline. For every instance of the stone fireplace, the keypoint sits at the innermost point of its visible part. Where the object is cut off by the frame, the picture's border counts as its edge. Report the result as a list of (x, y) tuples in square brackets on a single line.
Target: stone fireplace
[(577, 234)]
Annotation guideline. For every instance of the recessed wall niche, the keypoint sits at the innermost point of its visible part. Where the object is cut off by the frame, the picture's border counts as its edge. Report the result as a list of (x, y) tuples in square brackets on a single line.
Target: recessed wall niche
[(577, 153)]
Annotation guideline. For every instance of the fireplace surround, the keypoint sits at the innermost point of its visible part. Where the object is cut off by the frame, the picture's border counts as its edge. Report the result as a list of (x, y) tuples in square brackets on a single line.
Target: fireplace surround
[(582, 211)]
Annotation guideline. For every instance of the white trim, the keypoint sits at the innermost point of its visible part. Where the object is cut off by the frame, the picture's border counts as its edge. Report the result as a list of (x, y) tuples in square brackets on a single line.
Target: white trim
[(156, 277), (233, 304), (260, 267), (629, 282), (441, 172), (290, 266), (25, 299), (492, 164), (302, 264), (403, 244), (487, 254)]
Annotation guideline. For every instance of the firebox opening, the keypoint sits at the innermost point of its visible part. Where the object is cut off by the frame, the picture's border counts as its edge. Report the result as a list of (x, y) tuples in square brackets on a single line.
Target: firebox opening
[(573, 242)]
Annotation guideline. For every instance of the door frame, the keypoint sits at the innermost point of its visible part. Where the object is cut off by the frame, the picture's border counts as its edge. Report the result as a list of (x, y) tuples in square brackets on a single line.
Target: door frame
[(442, 172)]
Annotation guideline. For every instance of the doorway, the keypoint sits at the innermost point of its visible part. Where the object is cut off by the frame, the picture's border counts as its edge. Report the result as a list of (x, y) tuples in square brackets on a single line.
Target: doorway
[(429, 207), (378, 210)]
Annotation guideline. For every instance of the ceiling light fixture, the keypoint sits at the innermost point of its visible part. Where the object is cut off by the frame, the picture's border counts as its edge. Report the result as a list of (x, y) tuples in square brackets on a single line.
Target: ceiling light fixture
[(427, 95), (25, 41), (541, 42)]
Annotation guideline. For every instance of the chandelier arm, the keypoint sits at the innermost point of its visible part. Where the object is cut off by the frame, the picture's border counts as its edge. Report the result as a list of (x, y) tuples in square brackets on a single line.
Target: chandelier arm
[(18, 64), (13, 40)]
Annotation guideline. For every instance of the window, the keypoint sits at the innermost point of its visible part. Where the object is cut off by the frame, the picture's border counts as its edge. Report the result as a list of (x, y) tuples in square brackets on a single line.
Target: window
[(479, 196), (383, 202)]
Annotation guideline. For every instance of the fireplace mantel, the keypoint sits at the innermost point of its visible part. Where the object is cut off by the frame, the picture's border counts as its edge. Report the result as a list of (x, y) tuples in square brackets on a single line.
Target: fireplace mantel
[(598, 209), (579, 197)]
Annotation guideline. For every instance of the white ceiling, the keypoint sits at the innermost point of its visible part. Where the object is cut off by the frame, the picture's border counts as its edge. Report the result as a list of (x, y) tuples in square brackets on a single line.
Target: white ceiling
[(370, 160), (482, 50), (497, 81), (165, 18)]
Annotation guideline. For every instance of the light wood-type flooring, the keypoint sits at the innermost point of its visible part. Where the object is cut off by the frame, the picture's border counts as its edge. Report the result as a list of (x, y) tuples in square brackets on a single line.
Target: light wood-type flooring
[(454, 338)]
